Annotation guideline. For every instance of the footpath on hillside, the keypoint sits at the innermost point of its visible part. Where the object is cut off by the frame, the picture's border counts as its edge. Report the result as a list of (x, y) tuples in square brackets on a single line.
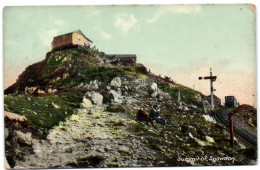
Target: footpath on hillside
[(89, 138)]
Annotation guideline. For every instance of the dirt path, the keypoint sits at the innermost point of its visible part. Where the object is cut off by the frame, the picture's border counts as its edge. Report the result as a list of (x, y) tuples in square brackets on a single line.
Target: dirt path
[(96, 133)]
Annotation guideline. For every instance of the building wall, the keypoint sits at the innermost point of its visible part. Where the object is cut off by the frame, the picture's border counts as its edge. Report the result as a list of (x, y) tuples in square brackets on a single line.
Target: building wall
[(79, 39), (62, 40), (128, 59)]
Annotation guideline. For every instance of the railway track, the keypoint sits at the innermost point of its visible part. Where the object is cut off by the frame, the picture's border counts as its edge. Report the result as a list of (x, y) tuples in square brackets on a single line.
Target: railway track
[(241, 130)]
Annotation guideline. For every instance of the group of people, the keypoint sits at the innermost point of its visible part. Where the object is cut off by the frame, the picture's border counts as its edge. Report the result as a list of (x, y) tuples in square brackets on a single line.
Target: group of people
[(152, 116)]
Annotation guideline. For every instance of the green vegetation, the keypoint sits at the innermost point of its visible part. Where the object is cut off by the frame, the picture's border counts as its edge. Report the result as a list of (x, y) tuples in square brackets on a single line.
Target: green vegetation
[(44, 112), (118, 108), (86, 73), (91, 160), (188, 95), (168, 142)]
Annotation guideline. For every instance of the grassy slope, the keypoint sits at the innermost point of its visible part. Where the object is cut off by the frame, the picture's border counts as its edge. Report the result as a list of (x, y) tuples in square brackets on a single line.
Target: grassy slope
[(48, 111), (40, 110)]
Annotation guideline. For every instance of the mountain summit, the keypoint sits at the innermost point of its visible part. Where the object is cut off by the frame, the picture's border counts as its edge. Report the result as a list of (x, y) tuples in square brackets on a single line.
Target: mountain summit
[(81, 105)]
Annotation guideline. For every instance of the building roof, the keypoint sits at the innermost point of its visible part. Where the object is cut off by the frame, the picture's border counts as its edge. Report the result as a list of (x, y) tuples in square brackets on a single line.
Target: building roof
[(78, 31), (123, 55)]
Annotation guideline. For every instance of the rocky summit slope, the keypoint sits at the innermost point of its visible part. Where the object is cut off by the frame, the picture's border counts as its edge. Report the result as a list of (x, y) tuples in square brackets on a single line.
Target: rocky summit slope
[(81, 107), (247, 114)]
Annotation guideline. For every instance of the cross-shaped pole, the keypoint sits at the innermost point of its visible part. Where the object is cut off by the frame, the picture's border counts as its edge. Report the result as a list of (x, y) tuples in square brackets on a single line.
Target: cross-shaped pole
[(212, 79)]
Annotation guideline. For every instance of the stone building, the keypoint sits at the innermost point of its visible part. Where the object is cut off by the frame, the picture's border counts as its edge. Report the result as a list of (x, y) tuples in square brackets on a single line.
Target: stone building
[(76, 38)]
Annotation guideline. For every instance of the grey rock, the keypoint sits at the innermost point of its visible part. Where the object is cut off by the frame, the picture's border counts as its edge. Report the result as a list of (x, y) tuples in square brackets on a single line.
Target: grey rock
[(86, 103), (153, 90), (50, 90), (116, 82), (30, 90), (118, 98), (25, 138), (95, 97)]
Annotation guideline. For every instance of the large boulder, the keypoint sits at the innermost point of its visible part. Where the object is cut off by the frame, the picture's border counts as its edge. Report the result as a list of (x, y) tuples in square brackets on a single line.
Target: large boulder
[(95, 97), (153, 90), (17, 122), (116, 82), (118, 98), (24, 138)]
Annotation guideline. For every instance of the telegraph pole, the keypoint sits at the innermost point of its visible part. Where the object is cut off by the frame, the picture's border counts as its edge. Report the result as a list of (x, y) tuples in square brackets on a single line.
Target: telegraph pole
[(212, 79)]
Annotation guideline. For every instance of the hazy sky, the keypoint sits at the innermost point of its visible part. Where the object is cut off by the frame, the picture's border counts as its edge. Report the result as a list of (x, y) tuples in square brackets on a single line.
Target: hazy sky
[(181, 41)]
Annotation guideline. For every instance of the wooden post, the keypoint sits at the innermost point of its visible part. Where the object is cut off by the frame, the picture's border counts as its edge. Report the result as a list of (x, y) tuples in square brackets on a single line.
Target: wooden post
[(232, 141), (212, 79)]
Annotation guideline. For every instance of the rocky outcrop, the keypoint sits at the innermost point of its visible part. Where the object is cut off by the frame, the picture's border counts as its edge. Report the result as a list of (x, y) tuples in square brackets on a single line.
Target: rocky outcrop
[(95, 97), (153, 90), (23, 138), (18, 122), (117, 97), (86, 103), (18, 134), (92, 85), (116, 82), (30, 90)]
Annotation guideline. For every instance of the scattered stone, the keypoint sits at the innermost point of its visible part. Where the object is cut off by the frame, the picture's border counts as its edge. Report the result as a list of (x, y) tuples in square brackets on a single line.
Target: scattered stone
[(65, 75), (72, 163), (86, 103), (198, 98), (117, 96), (116, 82), (199, 142), (25, 138), (92, 159), (50, 90), (74, 118), (160, 163), (112, 164), (95, 97), (55, 105), (30, 90), (40, 92), (209, 118), (209, 139), (124, 150)]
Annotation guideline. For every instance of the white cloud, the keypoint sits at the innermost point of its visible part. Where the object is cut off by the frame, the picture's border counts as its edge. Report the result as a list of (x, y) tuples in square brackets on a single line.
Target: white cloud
[(179, 9), (47, 36), (125, 22), (105, 35)]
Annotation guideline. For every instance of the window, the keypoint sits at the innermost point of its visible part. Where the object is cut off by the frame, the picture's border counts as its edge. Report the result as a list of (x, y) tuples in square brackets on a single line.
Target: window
[(69, 36), (61, 38), (79, 38), (55, 40)]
